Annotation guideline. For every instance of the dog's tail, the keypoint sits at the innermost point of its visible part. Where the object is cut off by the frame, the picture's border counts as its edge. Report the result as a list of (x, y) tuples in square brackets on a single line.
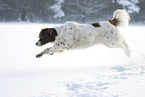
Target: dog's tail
[(120, 18)]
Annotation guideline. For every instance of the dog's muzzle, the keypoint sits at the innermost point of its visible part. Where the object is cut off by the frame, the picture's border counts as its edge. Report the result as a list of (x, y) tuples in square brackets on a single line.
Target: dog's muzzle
[(38, 43)]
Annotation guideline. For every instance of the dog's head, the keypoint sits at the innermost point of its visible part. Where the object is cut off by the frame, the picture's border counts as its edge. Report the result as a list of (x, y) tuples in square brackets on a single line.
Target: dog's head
[(46, 35)]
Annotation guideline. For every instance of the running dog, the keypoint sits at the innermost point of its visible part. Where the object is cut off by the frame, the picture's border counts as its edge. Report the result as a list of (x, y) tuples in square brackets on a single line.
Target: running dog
[(72, 35)]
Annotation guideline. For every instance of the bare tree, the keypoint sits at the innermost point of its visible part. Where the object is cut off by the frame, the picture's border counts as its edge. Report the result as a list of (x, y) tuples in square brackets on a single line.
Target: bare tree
[(85, 9), (4, 9), (57, 9), (130, 5)]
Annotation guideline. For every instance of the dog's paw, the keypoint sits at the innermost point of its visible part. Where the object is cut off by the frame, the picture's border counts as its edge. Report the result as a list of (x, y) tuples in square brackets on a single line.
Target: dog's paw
[(39, 55)]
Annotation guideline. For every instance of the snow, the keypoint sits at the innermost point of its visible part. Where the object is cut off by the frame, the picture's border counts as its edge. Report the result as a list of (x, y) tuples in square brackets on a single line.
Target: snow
[(94, 72), (130, 5)]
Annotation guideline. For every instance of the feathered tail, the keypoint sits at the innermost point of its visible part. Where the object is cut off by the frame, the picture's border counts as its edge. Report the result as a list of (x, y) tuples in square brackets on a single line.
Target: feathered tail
[(120, 18)]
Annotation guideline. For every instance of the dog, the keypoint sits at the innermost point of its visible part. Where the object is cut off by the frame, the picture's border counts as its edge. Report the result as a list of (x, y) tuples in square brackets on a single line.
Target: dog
[(73, 35)]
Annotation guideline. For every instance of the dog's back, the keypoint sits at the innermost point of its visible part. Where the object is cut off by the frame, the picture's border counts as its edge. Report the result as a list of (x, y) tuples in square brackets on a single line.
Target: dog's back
[(87, 35), (101, 32)]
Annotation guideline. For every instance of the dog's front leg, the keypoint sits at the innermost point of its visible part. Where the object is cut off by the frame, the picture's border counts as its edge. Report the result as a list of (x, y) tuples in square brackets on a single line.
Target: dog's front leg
[(51, 50), (56, 47), (60, 47), (44, 52)]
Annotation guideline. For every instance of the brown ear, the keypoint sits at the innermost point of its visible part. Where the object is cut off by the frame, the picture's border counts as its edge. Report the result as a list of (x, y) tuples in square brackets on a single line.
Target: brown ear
[(50, 32), (53, 32)]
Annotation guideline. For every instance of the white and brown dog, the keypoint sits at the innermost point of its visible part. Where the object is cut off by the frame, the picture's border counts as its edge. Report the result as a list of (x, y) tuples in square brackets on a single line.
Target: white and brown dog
[(73, 35)]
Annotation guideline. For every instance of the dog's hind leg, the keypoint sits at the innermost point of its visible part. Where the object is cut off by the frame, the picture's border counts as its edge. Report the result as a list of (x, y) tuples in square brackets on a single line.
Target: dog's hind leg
[(125, 48)]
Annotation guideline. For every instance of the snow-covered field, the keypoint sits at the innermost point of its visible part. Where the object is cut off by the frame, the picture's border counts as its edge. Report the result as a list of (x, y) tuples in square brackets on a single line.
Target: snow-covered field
[(94, 72)]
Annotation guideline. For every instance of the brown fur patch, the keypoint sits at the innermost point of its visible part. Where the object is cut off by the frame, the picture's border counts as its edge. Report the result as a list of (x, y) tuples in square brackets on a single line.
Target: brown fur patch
[(114, 22), (47, 35), (52, 31)]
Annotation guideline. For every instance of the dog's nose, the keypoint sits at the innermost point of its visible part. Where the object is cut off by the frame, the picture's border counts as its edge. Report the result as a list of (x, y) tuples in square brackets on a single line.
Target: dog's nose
[(38, 43)]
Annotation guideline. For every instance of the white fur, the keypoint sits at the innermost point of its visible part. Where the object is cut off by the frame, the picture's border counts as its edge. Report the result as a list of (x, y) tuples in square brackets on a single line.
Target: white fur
[(72, 35), (122, 16)]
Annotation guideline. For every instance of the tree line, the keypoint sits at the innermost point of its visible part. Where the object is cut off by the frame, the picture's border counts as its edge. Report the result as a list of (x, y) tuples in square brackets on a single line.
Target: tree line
[(59, 11)]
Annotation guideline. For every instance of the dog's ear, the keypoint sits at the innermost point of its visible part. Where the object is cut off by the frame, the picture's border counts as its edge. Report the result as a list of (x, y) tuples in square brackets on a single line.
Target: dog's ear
[(49, 32), (52, 32)]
